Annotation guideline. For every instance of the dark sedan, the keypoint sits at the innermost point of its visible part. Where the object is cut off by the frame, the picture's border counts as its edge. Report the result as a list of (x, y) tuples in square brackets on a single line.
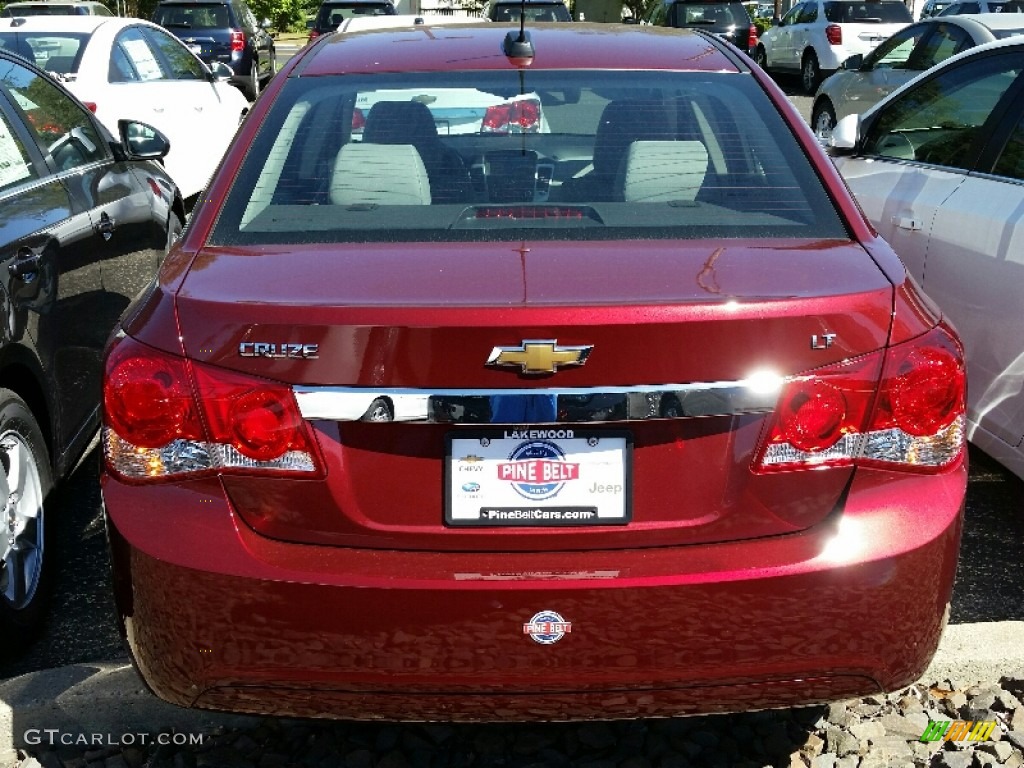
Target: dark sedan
[(84, 222)]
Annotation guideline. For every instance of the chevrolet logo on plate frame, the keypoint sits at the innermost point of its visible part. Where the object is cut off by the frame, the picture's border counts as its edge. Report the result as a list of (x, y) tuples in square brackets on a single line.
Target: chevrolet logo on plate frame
[(537, 356)]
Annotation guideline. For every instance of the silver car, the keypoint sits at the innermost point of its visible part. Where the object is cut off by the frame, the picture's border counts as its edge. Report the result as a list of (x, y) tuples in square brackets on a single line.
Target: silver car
[(864, 80)]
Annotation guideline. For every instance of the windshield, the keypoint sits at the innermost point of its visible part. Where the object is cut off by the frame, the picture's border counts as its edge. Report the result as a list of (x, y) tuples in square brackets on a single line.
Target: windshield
[(886, 12), (55, 52), (489, 155), (193, 16), (532, 11)]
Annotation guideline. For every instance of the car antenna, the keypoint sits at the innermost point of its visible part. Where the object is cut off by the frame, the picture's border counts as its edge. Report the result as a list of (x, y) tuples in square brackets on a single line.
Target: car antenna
[(519, 47)]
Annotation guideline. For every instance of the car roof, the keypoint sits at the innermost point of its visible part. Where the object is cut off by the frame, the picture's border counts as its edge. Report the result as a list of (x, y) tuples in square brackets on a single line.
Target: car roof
[(991, 20), (478, 46), (58, 23)]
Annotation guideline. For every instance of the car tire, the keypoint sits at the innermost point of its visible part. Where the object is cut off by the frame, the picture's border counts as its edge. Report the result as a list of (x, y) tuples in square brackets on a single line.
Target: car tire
[(254, 80), (24, 565), (761, 58), (823, 119), (174, 229), (810, 73)]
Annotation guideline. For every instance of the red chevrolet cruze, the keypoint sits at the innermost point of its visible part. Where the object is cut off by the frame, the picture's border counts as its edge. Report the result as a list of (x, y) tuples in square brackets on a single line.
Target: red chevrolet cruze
[(530, 376)]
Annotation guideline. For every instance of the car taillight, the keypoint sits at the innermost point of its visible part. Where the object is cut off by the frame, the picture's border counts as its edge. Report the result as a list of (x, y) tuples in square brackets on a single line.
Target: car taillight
[(358, 119), (521, 116), (237, 40), (834, 34), (313, 36), (752, 37), (901, 409), (90, 105), (165, 417)]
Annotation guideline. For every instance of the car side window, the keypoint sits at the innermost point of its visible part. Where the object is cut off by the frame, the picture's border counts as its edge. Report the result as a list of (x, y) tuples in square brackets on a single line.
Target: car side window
[(945, 41), (15, 166), (62, 129), (1011, 161), (940, 121), (895, 52), (808, 14), (144, 60), (182, 64), (791, 17)]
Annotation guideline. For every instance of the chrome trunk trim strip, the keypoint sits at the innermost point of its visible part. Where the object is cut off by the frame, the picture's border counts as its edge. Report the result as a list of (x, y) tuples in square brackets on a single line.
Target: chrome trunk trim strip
[(539, 406)]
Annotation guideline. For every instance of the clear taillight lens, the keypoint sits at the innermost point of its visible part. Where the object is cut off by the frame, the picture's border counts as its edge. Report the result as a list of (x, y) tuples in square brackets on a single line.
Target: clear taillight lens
[(521, 116), (900, 409), (165, 417)]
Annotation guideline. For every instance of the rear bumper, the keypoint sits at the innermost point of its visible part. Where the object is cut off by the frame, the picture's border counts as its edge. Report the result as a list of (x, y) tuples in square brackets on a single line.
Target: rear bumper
[(219, 617)]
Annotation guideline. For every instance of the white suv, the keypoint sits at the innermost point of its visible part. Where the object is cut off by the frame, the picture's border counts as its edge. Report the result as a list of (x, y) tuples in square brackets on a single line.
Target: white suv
[(816, 36)]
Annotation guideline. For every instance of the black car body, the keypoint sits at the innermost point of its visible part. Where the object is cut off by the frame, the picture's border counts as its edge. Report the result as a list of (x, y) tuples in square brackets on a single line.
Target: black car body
[(224, 31), (84, 224), (333, 12), (725, 18), (534, 10)]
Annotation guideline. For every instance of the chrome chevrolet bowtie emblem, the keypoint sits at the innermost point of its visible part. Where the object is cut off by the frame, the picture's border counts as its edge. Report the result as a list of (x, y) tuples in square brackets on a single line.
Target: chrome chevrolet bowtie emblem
[(539, 356)]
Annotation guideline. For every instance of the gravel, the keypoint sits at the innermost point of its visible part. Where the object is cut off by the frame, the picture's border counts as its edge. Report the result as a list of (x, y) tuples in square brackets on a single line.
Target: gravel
[(874, 732)]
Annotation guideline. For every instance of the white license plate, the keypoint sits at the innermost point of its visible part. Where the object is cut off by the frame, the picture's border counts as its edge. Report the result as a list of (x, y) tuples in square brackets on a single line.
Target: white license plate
[(538, 477)]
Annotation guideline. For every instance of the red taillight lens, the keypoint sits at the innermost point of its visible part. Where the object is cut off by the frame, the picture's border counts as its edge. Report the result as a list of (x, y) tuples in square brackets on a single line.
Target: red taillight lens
[(752, 38), (358, 119), (90, 105), (521, 116), (237, 40), (313, 36), (901, 410), (834, 34), (165, 416), (149, 398), (812, 417), (925, 387), (261, 423)]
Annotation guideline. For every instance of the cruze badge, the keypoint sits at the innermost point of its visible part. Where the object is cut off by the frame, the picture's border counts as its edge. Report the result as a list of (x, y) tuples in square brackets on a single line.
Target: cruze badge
[(276, 351), (547, 628), (539, 356)]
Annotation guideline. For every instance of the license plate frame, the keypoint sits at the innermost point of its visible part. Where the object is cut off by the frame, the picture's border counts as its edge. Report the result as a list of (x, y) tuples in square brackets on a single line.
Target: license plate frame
[(524, 477)]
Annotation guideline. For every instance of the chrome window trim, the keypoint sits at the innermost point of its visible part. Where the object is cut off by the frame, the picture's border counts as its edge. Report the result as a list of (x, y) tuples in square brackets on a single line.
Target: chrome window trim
[(572, 405)]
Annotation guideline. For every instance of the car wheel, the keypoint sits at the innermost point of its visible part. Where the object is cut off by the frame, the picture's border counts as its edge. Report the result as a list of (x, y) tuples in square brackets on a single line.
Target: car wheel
[(25, 481), (379, 410), (761, 58), (810, 73), (823, 120), (254, 80)]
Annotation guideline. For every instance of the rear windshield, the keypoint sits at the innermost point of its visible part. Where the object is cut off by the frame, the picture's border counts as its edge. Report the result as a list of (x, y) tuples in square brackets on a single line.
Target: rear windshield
[(193, 16), (533, 11), (714, 15), (54, 9), (332, 14), (485, 156), (885, 12), (58, 53)]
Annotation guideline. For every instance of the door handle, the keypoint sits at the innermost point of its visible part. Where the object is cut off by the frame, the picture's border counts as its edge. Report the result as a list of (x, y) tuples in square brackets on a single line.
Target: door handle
[(106, 226), (25, 266), (907, 222)]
